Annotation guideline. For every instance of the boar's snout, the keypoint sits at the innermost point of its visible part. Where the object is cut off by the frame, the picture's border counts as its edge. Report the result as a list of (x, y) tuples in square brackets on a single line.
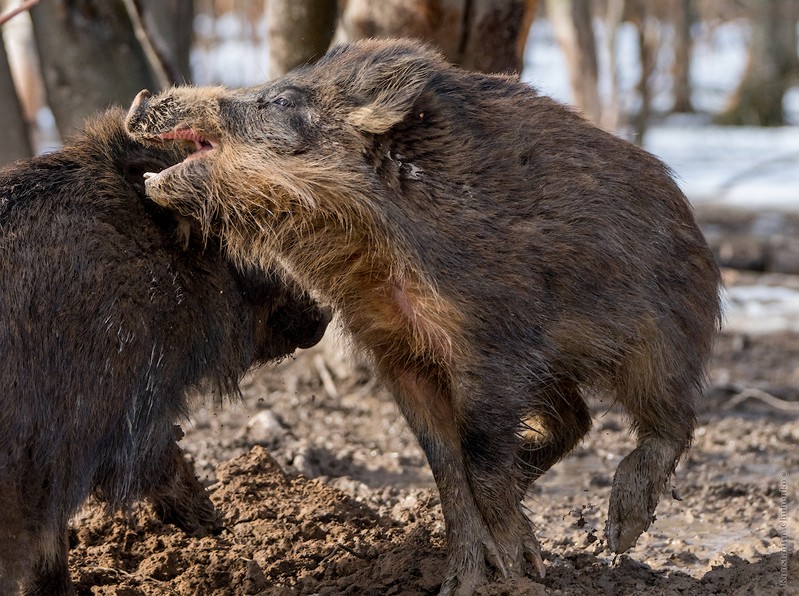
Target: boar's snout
[(317, 325), (137, 108), (298, 326)]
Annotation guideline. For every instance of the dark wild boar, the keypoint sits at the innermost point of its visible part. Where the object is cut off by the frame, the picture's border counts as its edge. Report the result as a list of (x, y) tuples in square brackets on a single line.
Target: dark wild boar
[(496, 254), (107, 324)]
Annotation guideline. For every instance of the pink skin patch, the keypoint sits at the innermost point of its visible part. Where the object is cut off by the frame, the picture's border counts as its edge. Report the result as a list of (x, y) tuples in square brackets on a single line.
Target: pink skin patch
[(202, 145), (403, 302), (411, 308)]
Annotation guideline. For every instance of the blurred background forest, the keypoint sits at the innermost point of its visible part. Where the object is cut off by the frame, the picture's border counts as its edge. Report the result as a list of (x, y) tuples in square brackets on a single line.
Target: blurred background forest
[(626, 64), (709, 86)]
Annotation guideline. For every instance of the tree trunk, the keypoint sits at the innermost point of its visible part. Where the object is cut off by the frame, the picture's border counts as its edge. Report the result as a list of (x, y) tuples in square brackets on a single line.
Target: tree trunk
[(648, 43), (16, 142), (168, 29), (437, 21), (773, 63), (90, 58), (177, 31), (572, 21), (483, 35), (611, 111), (681, 70), (495, 34), (299, 32)]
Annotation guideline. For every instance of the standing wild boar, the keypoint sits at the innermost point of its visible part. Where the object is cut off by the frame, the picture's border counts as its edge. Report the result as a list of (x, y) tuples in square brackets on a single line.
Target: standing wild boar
[(497, 255), (106, 321)]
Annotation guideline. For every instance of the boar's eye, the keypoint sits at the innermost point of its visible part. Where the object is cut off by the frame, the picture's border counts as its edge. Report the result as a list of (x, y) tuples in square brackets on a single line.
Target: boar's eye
[(288, 97)]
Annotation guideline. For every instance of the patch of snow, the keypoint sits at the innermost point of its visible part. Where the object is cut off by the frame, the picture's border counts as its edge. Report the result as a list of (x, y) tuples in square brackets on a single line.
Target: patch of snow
[(761, 309), (544, 63), (753, 168), (745, 167), (718, 60)]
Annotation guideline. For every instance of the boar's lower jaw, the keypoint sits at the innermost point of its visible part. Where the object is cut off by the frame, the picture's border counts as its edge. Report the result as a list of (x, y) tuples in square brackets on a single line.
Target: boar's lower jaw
[(204, 149), (151, 178)]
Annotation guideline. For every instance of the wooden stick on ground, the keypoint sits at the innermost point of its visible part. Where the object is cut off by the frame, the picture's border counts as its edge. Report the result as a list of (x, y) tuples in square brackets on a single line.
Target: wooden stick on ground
[(767, 398)]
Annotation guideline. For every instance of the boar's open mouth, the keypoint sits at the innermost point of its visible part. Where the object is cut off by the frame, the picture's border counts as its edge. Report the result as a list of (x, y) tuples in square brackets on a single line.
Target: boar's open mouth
[(202, 145)]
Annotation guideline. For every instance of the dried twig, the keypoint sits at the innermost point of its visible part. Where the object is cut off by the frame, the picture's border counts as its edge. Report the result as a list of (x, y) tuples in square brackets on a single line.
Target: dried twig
[(325, 376), (26, 5), (153, 45), (351, 551), (770, 400), (138, 576)]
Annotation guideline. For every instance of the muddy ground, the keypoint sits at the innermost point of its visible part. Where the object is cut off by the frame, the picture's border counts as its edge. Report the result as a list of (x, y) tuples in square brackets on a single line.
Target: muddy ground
[(323, 489)]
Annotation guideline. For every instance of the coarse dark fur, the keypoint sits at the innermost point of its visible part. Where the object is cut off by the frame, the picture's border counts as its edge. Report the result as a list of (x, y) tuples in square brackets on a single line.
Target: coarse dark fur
[(107, 323), (497, 255)]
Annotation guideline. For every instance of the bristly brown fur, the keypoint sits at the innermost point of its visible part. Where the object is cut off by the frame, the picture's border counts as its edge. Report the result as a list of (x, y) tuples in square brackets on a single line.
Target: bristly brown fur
[(495, 253)]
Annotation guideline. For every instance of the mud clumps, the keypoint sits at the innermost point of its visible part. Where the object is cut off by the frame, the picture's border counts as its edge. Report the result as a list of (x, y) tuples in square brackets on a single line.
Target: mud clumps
[(287, 535), (282, 535)]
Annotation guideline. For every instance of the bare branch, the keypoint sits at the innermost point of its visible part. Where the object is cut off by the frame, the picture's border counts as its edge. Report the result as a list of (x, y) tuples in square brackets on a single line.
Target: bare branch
[(26, 5), (154, 47)]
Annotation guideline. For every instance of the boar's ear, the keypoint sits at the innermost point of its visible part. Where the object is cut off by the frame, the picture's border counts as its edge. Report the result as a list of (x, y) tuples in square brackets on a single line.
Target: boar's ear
[(389, 89)]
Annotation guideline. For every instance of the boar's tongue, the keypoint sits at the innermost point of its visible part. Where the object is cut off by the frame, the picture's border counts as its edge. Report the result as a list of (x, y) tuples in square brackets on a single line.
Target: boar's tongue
[(201, 144)]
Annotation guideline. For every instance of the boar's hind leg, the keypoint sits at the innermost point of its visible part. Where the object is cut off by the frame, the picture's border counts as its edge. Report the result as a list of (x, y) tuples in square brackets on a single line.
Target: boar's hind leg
[(50, 574), (664, 425), (559, 420), (179, 498)]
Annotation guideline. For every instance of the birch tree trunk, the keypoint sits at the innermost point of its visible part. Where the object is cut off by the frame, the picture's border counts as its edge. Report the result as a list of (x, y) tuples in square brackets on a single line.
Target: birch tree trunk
[(16, 142)]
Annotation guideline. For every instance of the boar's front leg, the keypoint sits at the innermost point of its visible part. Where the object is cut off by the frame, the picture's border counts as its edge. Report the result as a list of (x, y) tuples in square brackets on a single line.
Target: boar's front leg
[(50, 573), (472, 454), (490, 412), (179, 498)]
